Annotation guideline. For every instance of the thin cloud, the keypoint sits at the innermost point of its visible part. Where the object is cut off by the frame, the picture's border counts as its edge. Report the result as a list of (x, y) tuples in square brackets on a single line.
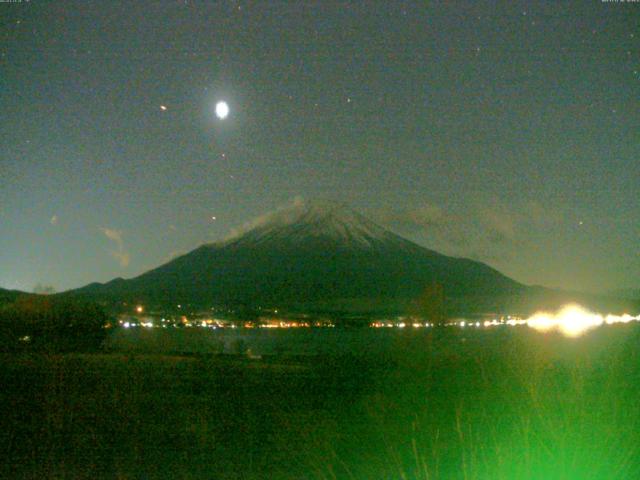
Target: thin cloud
[(441, 228), (262, 219), (112, 234), (174, 254), (413, 220), (120, 253), (123, 258), (483, 230), (499, 226)]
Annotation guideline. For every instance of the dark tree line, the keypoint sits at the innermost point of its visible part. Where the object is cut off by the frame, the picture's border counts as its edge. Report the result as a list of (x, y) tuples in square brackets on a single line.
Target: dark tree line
[(431, 304), (45, 323)]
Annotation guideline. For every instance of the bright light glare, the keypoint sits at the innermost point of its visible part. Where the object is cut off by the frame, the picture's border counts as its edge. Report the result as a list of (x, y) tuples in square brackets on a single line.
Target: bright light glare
[(573, 320), (222, 110)]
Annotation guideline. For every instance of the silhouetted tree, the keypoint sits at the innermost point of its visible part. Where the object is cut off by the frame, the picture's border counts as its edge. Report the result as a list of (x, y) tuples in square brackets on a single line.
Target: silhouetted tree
[(430, 305), (42, 323)]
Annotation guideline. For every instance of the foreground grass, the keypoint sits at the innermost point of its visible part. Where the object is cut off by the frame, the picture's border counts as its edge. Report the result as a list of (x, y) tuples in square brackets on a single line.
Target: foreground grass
[(443, 405)]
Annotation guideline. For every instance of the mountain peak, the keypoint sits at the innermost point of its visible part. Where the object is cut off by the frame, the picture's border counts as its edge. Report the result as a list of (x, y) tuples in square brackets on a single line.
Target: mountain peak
[(319, 220)]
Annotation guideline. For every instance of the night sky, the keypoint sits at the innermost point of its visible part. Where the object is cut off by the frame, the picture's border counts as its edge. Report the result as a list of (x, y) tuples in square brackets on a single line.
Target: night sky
[(507, 132)]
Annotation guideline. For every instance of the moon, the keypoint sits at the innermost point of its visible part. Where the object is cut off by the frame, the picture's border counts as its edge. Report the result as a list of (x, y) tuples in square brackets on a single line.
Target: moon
[(222, 110)]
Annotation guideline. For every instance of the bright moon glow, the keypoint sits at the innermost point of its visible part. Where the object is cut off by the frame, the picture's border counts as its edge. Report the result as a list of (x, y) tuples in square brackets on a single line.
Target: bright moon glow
[(222, 110)]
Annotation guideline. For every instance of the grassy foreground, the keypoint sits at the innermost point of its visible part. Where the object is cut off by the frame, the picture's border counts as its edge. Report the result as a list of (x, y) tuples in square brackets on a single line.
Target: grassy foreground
[(499, 404)]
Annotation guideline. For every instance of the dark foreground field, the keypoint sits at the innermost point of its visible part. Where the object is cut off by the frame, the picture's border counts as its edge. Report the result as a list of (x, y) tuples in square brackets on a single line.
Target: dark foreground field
[(449, 404)]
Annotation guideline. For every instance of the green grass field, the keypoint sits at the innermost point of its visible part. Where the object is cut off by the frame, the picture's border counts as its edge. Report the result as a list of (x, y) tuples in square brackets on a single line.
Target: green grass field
[(499, 404)]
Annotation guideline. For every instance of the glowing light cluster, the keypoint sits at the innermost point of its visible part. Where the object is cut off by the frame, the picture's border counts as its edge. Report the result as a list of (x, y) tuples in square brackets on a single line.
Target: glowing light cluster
[(392, 324), (285, 324), (573, 320)]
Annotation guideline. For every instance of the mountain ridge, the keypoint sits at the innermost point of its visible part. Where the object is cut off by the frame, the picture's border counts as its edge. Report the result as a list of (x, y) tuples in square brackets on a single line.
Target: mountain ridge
[(326, 258), (310, 253)]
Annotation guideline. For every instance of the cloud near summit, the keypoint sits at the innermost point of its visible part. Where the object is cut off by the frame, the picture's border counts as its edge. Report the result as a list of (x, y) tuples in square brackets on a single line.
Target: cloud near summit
[(485, 229)]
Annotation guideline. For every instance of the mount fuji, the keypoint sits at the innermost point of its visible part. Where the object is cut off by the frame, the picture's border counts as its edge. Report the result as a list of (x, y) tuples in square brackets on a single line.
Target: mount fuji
[(317, 256)]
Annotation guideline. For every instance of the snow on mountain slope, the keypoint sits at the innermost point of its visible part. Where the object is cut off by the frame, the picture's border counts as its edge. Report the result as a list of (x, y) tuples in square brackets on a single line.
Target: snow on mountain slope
[(315, 220)]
